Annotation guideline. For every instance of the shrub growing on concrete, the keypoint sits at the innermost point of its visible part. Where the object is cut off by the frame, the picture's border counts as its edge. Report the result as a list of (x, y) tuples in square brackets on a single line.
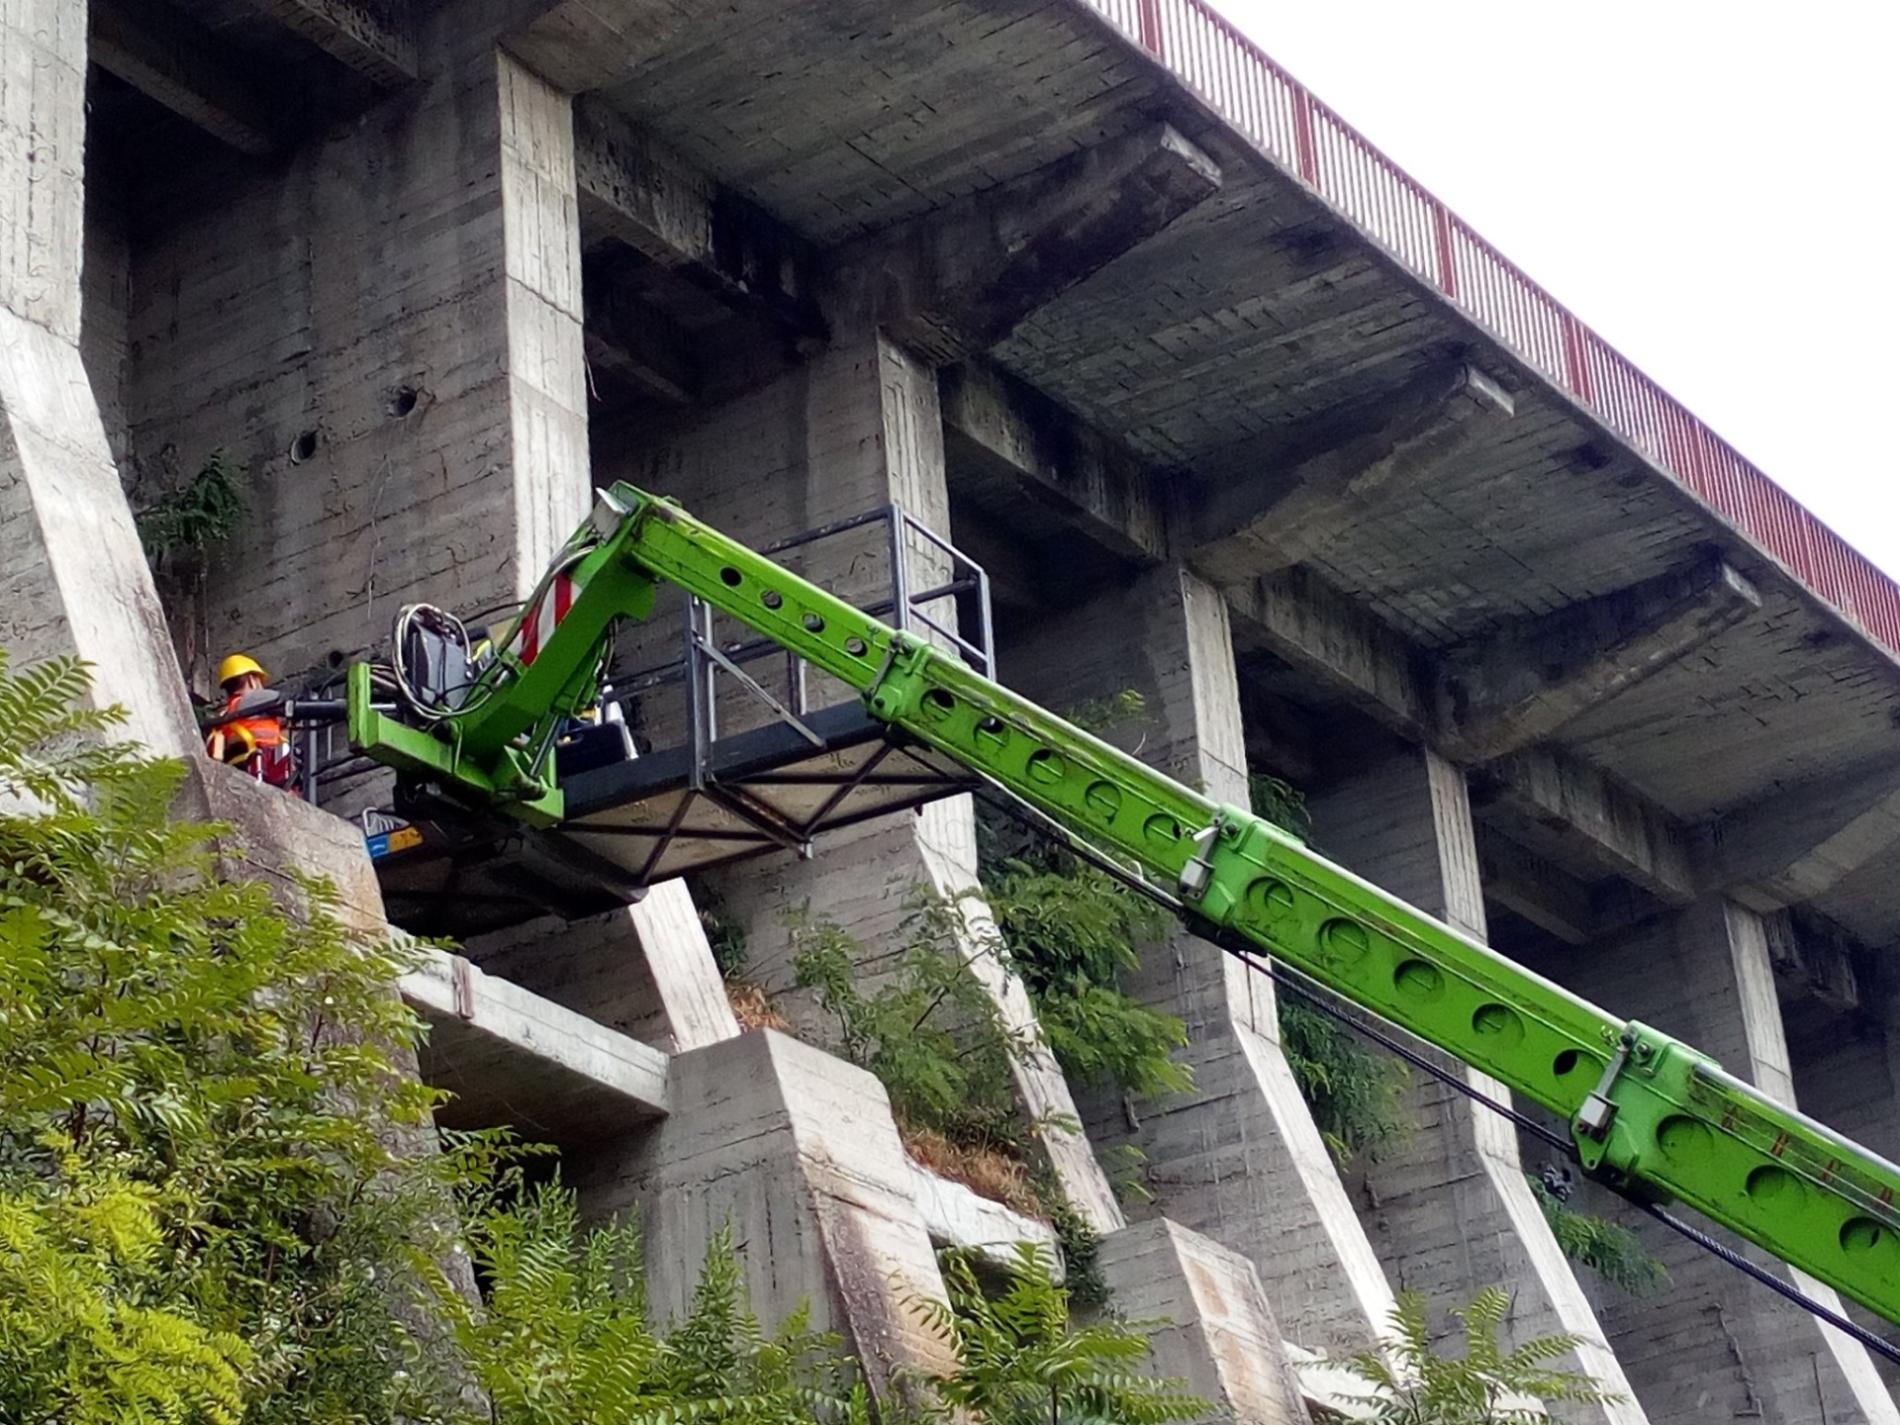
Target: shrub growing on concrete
[(1413, 1384)]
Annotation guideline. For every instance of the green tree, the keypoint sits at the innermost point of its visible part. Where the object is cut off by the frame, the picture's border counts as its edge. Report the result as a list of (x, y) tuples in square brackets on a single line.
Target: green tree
[(1414, 1385), (1022, 1362), (203, 1107)]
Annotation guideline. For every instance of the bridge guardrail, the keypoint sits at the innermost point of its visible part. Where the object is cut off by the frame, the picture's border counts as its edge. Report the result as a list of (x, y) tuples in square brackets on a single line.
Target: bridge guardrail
[(1262, 101)]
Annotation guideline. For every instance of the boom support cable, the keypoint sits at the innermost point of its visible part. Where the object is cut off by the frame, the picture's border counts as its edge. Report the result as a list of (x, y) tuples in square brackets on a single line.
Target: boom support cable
[(1003, 800)]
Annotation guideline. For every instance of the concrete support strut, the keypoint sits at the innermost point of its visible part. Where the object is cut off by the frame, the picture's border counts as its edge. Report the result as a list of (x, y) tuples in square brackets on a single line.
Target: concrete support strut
[(1266, 507), (954, 283), (74, 579), (1523, 682), (856, 429), (1217, 1334), (1450, 1210), (374, 37)]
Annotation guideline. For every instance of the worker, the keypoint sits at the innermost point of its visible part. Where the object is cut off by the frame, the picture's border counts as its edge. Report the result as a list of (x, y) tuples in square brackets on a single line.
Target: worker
[(259, 743)]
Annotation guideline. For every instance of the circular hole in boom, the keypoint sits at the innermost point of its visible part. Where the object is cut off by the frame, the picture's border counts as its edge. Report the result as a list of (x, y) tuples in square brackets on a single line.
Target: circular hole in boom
[(730, 577), (772, 599), (813, 623)]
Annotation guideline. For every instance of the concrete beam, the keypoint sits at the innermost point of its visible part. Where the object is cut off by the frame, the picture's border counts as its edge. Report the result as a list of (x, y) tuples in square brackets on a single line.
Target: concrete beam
[(1523, 682), (955, 1216), (1594, 819), (1320, 632), (1793, 845), (512, 1057), (170, 58), (638, 191), (955, 282), (376, 38), (1003, 431), (1265, 504), (1812, 962), (1535, 889), (582, 45), (635, 343)]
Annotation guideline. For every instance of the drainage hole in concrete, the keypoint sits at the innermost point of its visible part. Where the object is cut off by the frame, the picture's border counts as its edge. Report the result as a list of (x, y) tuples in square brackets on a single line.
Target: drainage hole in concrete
[(402, 401), (303, 447)]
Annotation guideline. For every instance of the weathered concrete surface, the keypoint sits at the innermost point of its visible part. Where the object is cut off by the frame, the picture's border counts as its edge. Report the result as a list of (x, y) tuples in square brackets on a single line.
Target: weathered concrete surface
[(1271, 502), (1712, 1345), (399, 368), (796, 1153), (955, 282), (1237, 1158), (1218, 1334), (955, 1216), (72, 576), (855, 429), (645, 971), (1450, 1209), (511, 1057), (1526, 680)]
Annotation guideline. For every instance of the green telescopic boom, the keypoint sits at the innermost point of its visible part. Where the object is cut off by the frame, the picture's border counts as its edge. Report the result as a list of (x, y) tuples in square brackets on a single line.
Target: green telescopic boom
[(1647, 1112)]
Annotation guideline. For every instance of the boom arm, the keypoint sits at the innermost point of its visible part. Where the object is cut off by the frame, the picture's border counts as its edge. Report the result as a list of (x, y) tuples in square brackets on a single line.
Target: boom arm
[(1645, 1110)]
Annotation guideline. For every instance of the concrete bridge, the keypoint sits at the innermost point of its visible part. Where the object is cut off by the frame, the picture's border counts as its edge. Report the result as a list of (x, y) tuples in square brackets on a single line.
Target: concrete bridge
[(1234, 412)]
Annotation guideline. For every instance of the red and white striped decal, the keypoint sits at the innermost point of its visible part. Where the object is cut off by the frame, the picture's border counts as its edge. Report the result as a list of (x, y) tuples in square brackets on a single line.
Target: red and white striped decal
[(544, 617)]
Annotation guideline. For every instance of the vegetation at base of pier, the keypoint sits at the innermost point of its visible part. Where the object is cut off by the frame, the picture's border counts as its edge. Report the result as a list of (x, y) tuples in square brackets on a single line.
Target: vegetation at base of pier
[(204, 1193), (1413, 1384), (1608, 1248), (223, 1202), (923, 1023), (563, 1333), (1023, 1361)]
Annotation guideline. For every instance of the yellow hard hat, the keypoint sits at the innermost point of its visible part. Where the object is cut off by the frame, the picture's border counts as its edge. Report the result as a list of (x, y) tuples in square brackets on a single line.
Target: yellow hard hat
[(236, 666)]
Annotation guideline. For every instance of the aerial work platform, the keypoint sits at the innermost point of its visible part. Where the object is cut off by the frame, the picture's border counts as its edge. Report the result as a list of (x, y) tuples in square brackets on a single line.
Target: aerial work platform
[(735, 748)]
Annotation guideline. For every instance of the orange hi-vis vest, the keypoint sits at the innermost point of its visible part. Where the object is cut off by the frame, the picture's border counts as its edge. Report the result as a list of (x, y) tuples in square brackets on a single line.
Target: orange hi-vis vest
[(259, 745)]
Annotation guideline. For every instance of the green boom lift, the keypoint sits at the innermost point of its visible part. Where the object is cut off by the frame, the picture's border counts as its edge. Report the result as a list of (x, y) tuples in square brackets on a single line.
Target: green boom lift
[(1647, 1113)]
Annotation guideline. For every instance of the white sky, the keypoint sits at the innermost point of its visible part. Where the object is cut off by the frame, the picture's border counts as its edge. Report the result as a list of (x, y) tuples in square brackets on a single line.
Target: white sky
[(1711, 186)]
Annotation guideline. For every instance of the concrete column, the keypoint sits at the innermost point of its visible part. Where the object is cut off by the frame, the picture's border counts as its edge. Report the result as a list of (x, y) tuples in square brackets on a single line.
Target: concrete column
[(385, 331), (1847, 1074), (856, 429), (794, 1151), (1238, 1158), (1218, 1333), (1713, 1345), (73, 580), (1450, 1210)]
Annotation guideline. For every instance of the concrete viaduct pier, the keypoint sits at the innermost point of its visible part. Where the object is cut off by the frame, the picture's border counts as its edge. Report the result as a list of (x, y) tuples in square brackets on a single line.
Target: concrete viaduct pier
[(1234, 414)]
